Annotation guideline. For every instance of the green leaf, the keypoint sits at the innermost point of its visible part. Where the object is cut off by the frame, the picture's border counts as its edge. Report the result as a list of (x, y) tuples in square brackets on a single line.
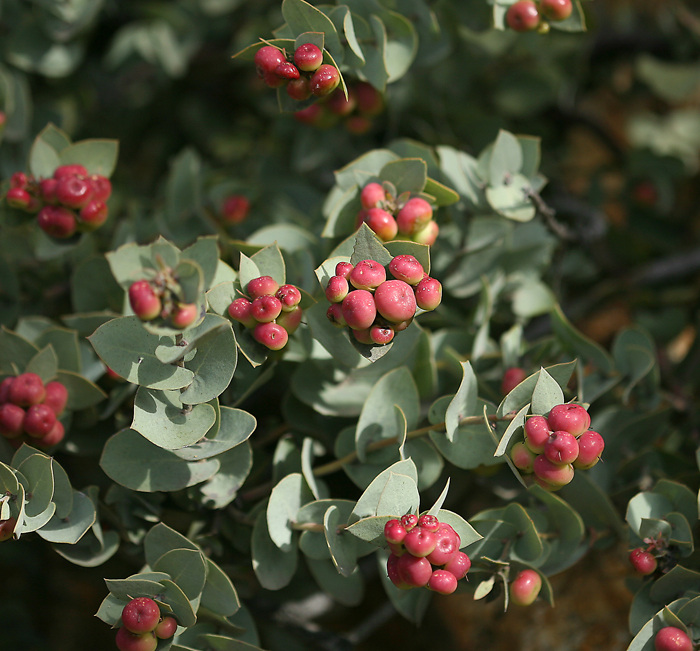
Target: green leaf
[(420, 252), (675, 582), (347, 591), (367, 504), (547, 393), (219, 595), (235, 465), (371, 529), (187, 568), (512, 200), (132, 461), (506, 159), (247, 271), (14, 350), (110, 610), (174, 597), (38, 472), (31, 524), (54, 136), (133, 587), (98, 156), (303, 17), (646, 505), (89, 552), (221, 643), (680, 496), (44, 364), (43, 159), (62, 490), (205, 252), (464, 403), (467, 534), (368, 247), (513, 426), (578, 344), (81, 392), (343, 546), (273, 567), (73, 527), (161, 539), (406, 174), (360, 171), (522, 394), (287, 497), (65, 345), (270, 262), (635, 357), (129, 350)]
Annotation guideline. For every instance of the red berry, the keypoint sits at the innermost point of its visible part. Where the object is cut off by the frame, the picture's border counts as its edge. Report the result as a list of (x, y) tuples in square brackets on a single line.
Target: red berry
[(270, 335), (523, 458), (381, 335), (446, 545), (344, 269), (381, 222), (643, 562), (419, 542), (367, 274), (407, 268), (299, 90), (363, 336), (101, 187), (414, 216), (144, 301), (184, 315), (289, 296), (69, 170), (18, 198), (359, 310), (73, 191), (525, 587), (56, 397), (335, 315), (552, 473), (19, 180), (57, 221), (262, 286), (416, 572), (570, 418), (325, 80), (339, 105), (395, 300), (427, 235), (459, 565), (290, 320), (11, 419), (428, 522), (523, 16), (443, 582), (239, 310), (371, 195), (54, 437), (556, 9), (337, 289), (166, 628), (39, 421), (308, 57), (141, 615), (266, 60), (537, 431), (409, 521), (428, 293), (26, 390), (393, 573), (127, 641), (590, 445), (394, 532), (511, 379), (93, 215), (47, 187), (358, 124), (286, 70), (670, 638), (561, 448), (235, 209), (369, 99), (266, 308), (5, 389)]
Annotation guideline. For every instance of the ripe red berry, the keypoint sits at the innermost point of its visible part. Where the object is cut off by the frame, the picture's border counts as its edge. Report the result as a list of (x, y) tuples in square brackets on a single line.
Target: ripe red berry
[(590, 445), (287, 71), (57, 221), (393, 573), (363, 336), (19, 180), (344, 269), (446, 545), (359, 310), (442, 582), (47, 188), (141, 615), (337, 289), (166, 628), (69, 170), (416, 572), (523, 16), (367, 274), (262, 286), (395, 301), (101, 187), (184, 315), (290, 320), (339, 105), (266, 60), (523, 458), (670, 638), (552, 473), (409, 521), (419, 542), (381, 222), (428, 293), (358, 124), (26, 390), (394, 532), (239, 310), (235, 209), (5, 389), (56, 397), (127, 641), (18, 198), (325, 80), (525, 587), (311, 115), (556, 9), (299, 89), (570, 418), (414, 216), (428, 522), (371, 195), (335, 315), (644, 563), (93, 215), (271, 335), (73, 191), (11, 419), (54, 437), (407, 268), (381, 335), (308, 57), (459, 565), (7, 528), (39, 421), (537, 431), (511, 379), (289, 296), (266, 308), (144, 301), (561, 448)]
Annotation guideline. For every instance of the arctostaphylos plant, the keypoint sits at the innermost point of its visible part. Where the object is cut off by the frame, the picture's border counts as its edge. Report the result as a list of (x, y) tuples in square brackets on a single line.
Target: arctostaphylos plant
[(327, 324)]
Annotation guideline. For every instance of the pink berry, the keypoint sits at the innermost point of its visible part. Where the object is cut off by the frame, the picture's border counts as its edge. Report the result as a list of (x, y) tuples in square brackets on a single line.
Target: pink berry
[(5, 390), (101, 187), (643, 562), (18, 198), (56, 397), (525, 587), (395, 300), (523, 16), (670, 638), (271, 335), (335, 315), (459, 565), (523, 458), (47, 187), (128, 641), (537, 431), (286, 70), (54, 437), (299, 90), (393, 573), (308, 57), (427, 235), (561, 448), (73, 191), (262, 286), (289, 296), (367, 274), (184, 315), (11, 419), (57, 221), (344, 269), (442, 582), (144, 301), (141, 615), (363, 336), (19, 180), (93, 215), (369, 99), (166, 628), (428, 293), (552, 473), (235, 209), (407, 268), (556, 9), (446, 546), (394, 532), (416, 572), (371, 195), (409, 521), (337, 289), (381, 222), (39, 420), (325, 80), (290, 320), (26, 390), (419, 542), (381, 335), (266, 60), (590, 445), (266, 308), (359, 310), (511, 379), (239, 310), (69, 170), (414, 216), (570, 418)]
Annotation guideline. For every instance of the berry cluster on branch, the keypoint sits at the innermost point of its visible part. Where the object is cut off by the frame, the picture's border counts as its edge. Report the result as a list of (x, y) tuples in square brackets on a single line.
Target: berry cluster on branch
[(529, 15), (556, 444), (424, 552), (143, 625), (69, 202), (271, 311), (29, 410), (375, 308), (159, 298)]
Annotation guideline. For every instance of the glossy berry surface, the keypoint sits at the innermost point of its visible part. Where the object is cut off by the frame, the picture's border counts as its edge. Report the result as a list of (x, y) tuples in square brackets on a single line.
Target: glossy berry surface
[(286, 70), (537, 431), (381, 335), (409, 521), (414, 216), (299, 90), (290, 320), (561, 448), (393, 573), (73, 191), (144, 301), (335, 315), (184, 315), (407, 268), (343, 269), (289, 296), (57, 221), (394, 532), (428, 293), (395, 301), (367, 274), (359, 310), (69, 170), (416, 572), (458, 565), (525, 587), (419, 542), (26, 390), (308, 57), (39, 420), (670, 638), (166, 628), (337, 289), (93, 215), (11, 419), (141, 615), (570, 418), (262, 286), (371, 195), (325, 80), (556, 9), (266, 308), (523, 16), (427, 235), (18, 198), (381, 222), (442, 582), (128, 641), (239, 310), (266, 60), (54, 437), (446, 546), (591, 446), (523, 458), (644, 563), (271, 335), (552, 473)]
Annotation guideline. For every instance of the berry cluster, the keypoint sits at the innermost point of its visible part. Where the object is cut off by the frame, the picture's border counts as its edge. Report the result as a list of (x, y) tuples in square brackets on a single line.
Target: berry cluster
[(71, 201), (375, 308), (143, 625), (158, 298), (235, 209), (304, 72), (30, 409), (270, 311), (418, 543), (557, 444), (363, 103), (527, 15), (670, 638), (525, 587), (392, 217)]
